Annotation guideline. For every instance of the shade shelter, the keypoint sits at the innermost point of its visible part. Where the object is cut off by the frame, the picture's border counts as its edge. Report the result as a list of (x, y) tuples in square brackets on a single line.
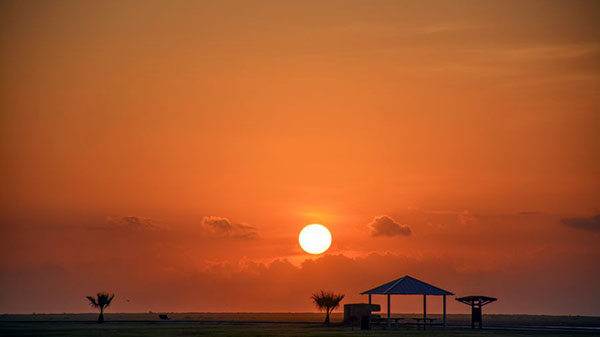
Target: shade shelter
[(409, 286), (476, 302)]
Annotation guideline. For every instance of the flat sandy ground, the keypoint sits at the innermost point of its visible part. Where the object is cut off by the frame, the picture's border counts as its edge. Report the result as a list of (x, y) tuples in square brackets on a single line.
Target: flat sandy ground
[(281, 324)]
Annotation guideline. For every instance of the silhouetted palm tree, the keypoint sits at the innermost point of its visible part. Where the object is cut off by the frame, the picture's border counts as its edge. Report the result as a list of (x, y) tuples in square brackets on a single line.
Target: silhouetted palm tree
[(102, 301), (327, 301)]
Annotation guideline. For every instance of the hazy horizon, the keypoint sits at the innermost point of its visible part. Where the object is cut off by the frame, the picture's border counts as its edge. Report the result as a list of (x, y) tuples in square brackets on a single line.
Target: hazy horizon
[(316, 312)]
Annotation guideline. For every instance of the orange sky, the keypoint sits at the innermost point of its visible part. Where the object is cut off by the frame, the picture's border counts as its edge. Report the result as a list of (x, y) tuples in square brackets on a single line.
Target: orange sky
[(170, 152)]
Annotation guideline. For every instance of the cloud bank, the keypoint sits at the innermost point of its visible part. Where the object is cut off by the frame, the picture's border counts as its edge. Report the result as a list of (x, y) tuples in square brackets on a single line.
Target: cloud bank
[(385, 226), (223, 227)]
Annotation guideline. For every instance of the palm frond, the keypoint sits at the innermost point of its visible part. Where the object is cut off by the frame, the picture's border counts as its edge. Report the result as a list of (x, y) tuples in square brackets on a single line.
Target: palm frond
[(110, 300), (328, 301), (93, 301), (104, 299)]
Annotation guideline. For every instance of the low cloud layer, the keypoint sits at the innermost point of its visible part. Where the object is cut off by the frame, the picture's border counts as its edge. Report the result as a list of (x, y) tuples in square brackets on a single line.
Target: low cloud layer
[(591, 223), (223, 227), (248, 285), (385, 226)]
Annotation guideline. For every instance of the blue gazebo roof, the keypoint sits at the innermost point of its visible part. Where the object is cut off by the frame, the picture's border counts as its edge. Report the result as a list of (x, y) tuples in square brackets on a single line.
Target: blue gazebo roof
[(406, 286)]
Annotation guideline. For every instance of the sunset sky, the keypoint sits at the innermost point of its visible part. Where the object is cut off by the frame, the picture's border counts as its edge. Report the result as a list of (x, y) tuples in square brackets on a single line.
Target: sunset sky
[(171, 151)]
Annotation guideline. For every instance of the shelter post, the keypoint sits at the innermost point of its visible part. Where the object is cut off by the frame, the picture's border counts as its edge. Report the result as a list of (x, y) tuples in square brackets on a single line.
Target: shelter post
[(444, 319), (389, 312), (480, 313), (424, 312), (369, 311)]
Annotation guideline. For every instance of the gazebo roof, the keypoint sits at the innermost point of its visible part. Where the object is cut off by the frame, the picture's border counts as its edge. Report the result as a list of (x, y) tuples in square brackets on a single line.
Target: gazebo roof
[(470, 300), (406, 286)]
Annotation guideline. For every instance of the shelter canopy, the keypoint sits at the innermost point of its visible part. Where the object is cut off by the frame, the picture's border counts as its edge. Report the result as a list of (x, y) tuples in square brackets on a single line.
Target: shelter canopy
[(406, 286), (482, 300)]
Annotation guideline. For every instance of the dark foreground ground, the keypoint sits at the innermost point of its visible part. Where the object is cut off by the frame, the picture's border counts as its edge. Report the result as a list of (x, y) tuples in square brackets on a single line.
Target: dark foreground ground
[(242, 324)]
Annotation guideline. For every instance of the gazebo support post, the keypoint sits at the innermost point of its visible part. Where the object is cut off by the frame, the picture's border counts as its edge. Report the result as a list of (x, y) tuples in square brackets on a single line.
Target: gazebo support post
[(424, 312), (472, 318), (369, 311), (481, 313), (389, 320), (444, 319)]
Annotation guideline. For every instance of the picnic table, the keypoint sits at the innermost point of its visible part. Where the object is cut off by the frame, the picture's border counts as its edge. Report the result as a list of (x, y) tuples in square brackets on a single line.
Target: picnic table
[(419, 319), (396, 320), (377, 319)]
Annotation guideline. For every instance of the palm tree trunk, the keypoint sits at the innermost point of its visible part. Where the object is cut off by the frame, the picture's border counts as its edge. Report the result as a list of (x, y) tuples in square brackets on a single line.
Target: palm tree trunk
[(327, 316), (101, 317)]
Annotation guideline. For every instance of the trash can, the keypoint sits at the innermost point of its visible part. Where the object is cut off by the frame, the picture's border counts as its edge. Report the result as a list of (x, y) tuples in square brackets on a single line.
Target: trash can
[(364, 323)]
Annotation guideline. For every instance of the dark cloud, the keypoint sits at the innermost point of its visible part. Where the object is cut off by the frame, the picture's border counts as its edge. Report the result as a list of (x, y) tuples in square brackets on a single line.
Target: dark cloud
[(130, 222), (385, 226), (223, 227), (591, 223)]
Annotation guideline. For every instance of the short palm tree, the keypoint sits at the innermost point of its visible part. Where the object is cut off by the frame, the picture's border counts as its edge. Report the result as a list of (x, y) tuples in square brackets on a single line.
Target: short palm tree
[(101, 301), (327, 301)]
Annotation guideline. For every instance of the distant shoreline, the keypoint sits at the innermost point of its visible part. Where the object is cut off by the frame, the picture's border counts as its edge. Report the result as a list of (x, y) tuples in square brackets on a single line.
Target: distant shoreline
[(272, 313), (500, 320)]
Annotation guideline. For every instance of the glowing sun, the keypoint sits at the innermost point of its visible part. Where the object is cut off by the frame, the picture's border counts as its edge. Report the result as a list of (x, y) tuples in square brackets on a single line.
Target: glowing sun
[(315, 239)]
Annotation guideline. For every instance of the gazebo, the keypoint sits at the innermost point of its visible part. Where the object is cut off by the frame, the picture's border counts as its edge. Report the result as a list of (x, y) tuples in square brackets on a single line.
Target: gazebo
[(409, 286)]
